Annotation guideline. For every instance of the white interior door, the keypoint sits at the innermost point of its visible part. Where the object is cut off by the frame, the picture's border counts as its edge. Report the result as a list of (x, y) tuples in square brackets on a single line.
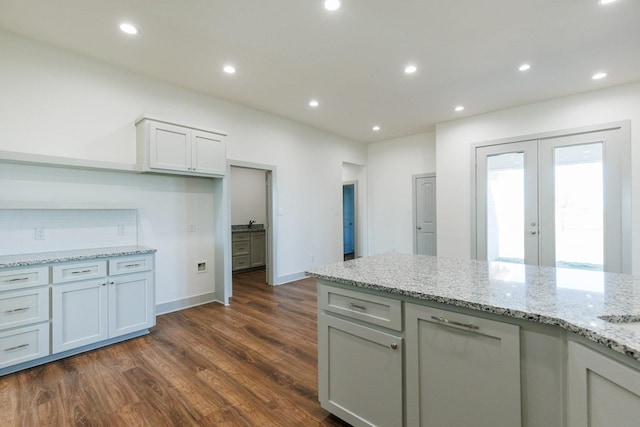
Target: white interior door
[(425, 203)]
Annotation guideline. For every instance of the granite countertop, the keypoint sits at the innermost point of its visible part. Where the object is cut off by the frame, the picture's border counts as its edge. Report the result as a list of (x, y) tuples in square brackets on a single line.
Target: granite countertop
[(576, 300), (22, 260)]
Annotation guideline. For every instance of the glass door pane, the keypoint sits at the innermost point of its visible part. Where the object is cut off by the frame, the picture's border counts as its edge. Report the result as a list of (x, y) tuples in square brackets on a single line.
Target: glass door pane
[(579, 211), (505, 207)]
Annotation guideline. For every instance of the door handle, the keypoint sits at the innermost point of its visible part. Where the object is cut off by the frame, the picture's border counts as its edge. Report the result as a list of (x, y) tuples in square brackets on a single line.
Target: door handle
[(532, 232), (419, 228)]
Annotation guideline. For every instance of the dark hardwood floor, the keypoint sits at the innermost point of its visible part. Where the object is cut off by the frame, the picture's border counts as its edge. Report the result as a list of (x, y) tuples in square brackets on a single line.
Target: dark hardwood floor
[(251, 364)]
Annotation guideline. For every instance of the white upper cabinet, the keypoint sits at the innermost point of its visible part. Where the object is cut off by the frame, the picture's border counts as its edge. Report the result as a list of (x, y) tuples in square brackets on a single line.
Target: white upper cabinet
[(171, 148)]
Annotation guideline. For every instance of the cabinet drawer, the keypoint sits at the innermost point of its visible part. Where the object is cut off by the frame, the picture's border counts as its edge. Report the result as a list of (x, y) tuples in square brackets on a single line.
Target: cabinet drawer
[(18, 278), (241, 248), (240, 237), (21, 308), (130, 264), (24, 344), (79, 271), (373, 309), (240, 262)]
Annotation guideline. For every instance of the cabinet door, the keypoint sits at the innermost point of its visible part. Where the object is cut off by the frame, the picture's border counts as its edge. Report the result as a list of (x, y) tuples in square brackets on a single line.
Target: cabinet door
[(601, 392), (360, 373), (169, 147), (258, 247), (461, 370), (131, 303), (209, 153), (79, 314)]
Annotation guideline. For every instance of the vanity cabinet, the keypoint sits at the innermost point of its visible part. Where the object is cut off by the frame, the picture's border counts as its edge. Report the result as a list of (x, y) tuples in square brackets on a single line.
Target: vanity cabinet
[(601, 391), (172, 148), (88, 311), (248, 249), (24, 315), (360, 362), (461, 370)]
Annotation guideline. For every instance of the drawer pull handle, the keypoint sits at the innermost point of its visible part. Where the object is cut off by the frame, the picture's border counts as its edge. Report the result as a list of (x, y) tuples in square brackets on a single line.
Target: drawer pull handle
[(15, 310), (16, 347), (18, 279), (132, 265), (81, 272), (453, 322), (361, 307)]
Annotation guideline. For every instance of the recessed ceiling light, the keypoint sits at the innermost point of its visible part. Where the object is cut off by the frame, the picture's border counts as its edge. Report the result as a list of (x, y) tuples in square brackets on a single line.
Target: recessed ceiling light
[(313, 103), (376, 128), (524, 67), (128, 28), (603, 2), (410, 69), (332, 4), (598, 76), (229, 69), (459, 108)]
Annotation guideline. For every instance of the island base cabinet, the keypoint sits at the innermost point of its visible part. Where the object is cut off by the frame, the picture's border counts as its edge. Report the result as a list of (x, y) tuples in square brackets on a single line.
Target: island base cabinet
[(360, 373), (461, 370), (601, 391)]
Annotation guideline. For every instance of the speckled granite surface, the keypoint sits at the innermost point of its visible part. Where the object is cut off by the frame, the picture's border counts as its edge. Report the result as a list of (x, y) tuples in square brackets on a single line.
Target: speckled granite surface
[(575, 300), (11, 261)]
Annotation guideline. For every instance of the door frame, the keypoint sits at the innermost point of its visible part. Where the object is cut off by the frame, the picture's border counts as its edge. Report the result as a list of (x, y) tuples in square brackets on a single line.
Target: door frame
[(271, 226), (414, 196), (623, 126), (356, 247)]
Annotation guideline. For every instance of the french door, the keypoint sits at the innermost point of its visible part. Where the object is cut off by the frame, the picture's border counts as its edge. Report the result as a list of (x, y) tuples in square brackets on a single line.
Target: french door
[(553, 201)]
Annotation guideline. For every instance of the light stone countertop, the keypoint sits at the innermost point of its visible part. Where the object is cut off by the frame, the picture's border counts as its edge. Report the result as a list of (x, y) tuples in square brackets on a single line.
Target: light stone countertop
[(23, 260), (575, 300)]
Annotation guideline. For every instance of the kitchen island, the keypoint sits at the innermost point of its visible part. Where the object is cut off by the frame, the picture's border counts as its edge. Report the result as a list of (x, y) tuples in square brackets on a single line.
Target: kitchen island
[(413, 340)]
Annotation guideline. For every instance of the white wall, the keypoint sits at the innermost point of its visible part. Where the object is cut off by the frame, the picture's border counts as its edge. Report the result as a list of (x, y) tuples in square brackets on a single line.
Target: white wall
[(57, 103), (390, 167), (248, 196), (455, 138)]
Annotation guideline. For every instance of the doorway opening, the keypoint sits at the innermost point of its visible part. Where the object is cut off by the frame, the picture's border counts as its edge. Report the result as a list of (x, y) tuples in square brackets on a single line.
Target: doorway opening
[(349, 220), (252, 225), (424, 215)]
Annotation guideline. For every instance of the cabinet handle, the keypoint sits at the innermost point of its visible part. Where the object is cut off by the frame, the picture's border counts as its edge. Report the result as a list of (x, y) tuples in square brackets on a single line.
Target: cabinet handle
[(104, 284), (81, 272), (361, 307), (132, 265), (16, 347), (15, 310), (18, 279), (453, 322), (394, 346), (112, 283)]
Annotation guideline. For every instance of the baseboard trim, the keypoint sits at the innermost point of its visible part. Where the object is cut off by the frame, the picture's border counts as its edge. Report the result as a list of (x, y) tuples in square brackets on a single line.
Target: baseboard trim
[(181, 304), (290, 278)]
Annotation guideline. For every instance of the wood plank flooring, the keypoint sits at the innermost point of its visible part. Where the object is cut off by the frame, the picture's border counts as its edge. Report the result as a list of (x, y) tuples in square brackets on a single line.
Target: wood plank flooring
[(251, 364)]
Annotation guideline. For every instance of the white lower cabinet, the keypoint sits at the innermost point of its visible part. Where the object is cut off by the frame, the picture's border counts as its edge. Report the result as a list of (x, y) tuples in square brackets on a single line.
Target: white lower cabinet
[(461, 370), (89, 311), (602, 392), (79, 314), (24, 344)]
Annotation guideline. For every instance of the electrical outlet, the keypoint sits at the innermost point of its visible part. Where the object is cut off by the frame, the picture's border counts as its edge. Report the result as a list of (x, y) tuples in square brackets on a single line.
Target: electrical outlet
[(313, 258), (121, 230), (192, 228), (40, 234)]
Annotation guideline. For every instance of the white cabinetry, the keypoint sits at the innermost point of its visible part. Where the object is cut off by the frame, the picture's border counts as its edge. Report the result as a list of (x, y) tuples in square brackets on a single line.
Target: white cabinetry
[(171, 148), (89, 311), (602, 392), (360, 363), (461, 370), (248, 249), (24, 315)]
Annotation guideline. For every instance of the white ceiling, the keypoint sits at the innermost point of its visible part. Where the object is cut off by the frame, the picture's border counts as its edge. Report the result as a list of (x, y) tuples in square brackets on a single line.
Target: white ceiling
[(352, 60)]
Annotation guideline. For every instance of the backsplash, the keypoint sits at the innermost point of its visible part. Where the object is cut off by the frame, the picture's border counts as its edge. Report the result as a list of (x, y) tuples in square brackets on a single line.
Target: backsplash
[(25, 231)]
